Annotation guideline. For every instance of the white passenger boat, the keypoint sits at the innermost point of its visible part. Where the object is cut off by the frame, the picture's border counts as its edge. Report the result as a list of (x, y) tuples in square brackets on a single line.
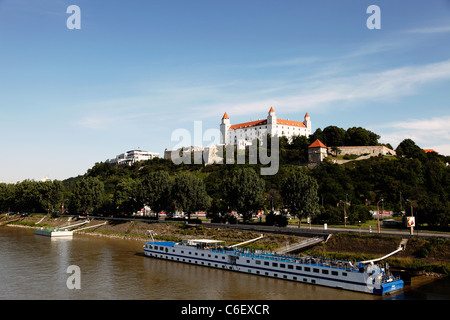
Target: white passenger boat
[(365, 276)]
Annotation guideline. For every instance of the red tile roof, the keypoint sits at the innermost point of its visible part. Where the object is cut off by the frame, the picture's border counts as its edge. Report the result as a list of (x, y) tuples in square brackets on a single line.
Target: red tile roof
[(248, 124), (271, 109), (225, 116), (317, 144), (429, 150), (290, 123), (264, 121)]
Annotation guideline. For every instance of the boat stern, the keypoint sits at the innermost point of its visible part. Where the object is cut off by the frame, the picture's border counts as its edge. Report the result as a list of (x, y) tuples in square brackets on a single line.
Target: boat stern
[(389, 287)]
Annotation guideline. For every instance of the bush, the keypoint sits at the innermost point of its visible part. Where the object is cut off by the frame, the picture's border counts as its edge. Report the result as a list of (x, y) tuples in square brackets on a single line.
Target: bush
[(279, 220)]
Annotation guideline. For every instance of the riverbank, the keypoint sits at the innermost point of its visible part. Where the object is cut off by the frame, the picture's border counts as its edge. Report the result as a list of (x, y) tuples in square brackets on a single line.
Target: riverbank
[(422, 256), (169, 231)]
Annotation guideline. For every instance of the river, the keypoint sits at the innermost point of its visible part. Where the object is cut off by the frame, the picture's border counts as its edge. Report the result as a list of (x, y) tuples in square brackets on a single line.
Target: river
[(35, 267)]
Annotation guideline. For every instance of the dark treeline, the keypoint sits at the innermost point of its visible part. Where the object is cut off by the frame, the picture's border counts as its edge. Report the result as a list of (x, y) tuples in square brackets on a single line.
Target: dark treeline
[(412, 179)]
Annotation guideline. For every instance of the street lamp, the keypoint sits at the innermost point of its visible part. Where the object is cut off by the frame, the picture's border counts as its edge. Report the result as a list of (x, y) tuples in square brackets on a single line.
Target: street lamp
[(378, 214), (345, 214)]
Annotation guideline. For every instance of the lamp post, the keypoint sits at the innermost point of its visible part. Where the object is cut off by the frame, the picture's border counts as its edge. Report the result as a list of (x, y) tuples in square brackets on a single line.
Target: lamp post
[(345, 213), (378, 214)]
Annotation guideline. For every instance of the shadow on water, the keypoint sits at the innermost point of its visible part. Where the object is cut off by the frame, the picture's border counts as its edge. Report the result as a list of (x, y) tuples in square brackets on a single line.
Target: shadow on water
[(424, 288)]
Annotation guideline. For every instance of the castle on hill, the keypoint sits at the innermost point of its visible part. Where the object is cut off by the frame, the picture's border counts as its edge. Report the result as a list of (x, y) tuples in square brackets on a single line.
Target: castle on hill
[(242, 134)]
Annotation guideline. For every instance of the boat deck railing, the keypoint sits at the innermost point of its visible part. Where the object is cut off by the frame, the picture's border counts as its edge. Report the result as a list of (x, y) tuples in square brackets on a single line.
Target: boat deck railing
[(390, 279), (269, 255)]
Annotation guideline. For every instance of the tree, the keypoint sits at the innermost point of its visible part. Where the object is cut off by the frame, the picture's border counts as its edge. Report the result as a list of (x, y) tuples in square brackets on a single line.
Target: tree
[(336, 150), (334, 136), (409, 149), (27, 196), (155, 191), (189, 194), (317, 135), (356, 213), (51, 194), (244, 191), (125, 196), (300, 145), (87, 195), (299, 192), (6, 196), (358, 136)]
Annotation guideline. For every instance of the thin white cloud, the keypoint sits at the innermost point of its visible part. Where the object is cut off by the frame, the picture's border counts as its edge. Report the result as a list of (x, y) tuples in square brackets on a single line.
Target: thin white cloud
[(365, 87), (285, 62), (433, 133), (429, 30), (296, 96)]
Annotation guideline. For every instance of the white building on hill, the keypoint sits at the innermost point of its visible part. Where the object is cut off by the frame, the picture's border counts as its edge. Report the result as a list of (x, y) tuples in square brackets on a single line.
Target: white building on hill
[(243, 134), (132, 156)]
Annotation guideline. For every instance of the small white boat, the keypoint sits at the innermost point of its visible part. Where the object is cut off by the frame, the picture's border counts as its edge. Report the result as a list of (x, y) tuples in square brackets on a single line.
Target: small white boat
[(64, 230), (53, 232)]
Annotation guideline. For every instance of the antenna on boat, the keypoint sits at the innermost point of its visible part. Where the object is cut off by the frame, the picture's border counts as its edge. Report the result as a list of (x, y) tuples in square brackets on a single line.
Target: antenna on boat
[(149, 234)]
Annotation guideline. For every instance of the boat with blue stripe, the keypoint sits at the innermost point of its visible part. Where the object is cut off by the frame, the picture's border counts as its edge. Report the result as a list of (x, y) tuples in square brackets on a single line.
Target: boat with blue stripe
[(366, 276)]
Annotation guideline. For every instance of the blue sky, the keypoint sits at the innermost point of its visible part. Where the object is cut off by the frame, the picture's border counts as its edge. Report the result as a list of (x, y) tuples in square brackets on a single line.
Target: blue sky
[(138, 70)]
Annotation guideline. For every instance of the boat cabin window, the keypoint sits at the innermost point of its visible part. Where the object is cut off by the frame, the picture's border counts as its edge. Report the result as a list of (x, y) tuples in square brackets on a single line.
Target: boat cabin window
[(334, 273), (325, 271), (307, 269), (282, 265), (274, 264), (266, 263), (316, 270)]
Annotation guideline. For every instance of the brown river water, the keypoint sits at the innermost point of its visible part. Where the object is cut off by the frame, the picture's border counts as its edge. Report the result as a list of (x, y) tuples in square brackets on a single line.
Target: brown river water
[(36, 267)]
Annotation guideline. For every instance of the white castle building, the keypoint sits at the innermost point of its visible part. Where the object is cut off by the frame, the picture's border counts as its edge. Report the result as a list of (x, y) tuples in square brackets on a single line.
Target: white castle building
[(242, 134)]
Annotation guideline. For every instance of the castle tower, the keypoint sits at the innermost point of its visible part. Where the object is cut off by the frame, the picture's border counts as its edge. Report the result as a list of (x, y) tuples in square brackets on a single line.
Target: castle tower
[(317, 151), (307, 123), (224, 127), (271, 122)]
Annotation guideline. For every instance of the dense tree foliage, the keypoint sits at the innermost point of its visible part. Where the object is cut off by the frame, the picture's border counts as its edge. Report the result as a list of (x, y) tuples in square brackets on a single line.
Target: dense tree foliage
[(411, 180), (189, 194), (154, 190), (299, 192), (333, 136), (244, 191), (87, 195), (31, 196)]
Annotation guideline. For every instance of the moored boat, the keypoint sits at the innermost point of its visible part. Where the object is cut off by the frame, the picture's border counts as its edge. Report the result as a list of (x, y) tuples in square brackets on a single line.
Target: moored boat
[(366, 276), (53, 232)]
